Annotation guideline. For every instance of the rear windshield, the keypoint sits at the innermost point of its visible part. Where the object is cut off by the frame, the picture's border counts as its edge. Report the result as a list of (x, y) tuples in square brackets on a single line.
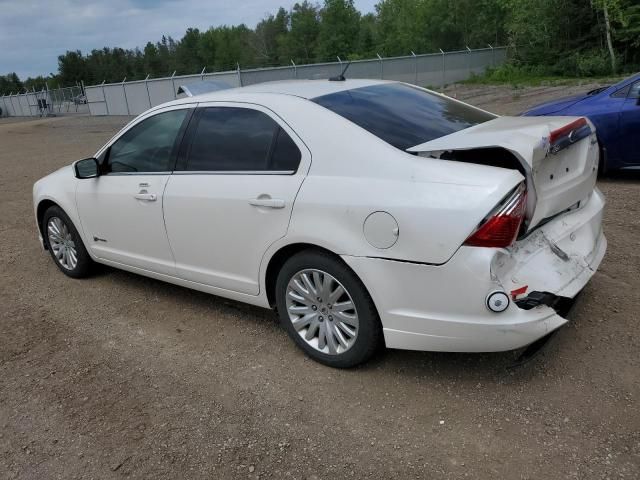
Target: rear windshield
[(402, 115)]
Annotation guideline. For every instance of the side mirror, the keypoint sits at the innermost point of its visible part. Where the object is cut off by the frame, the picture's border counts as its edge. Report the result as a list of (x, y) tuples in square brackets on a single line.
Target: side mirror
[(638, 101), (87, 168)]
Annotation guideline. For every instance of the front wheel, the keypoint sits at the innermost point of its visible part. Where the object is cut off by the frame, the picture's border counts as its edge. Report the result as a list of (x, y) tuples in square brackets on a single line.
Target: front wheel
[(65, 245), (326, 310)]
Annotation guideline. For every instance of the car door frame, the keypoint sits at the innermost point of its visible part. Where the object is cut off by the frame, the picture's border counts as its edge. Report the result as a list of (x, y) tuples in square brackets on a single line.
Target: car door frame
[(103, 154), (301, 172)]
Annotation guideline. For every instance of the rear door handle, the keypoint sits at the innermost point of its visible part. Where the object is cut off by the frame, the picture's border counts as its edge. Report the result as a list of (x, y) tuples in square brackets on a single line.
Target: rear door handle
[(267, 202), (147, 197)]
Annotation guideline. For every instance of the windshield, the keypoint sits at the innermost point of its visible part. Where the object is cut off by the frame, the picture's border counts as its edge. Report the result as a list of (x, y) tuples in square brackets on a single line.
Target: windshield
[(401, 115)]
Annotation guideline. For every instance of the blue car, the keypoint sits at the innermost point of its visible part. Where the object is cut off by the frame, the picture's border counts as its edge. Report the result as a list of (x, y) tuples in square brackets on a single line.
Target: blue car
[(615, 111)]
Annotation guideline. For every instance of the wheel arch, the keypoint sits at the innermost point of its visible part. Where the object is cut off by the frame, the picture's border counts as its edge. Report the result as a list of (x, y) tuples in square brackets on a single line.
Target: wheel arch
[(279, 258), (42, 207), (285, 252)]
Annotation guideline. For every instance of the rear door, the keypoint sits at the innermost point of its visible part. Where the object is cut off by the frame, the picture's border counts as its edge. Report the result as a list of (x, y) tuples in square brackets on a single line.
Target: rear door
[(630, 127), (231, 197)]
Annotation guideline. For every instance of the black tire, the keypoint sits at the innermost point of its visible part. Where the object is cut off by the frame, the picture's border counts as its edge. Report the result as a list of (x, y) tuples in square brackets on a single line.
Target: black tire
[(369, 331), (602, 162), (84, 264)]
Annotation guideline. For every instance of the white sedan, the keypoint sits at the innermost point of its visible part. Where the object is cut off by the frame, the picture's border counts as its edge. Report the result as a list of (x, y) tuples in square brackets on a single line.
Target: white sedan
[(366, 212)]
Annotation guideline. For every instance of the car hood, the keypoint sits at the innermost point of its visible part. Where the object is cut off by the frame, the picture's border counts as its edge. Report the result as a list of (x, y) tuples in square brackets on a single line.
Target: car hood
[(555, 106)]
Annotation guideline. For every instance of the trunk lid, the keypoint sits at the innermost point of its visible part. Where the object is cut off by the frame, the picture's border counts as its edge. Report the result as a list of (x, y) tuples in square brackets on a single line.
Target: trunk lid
[(559, 156)]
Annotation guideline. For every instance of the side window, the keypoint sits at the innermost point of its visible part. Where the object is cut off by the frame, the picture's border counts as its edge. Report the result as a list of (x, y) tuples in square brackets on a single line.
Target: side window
[(148, 146), (635, 90), (238, 139), (622, 93), (286, 154)]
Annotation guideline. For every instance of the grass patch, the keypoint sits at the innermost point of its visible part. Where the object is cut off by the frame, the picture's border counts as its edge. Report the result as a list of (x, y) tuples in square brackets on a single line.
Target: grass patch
[(521, 76)]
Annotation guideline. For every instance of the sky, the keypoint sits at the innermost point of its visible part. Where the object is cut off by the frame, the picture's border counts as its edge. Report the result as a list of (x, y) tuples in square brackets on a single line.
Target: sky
[(34, 32)]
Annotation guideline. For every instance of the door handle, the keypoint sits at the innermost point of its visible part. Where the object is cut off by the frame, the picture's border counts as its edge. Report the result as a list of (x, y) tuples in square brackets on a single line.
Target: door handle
[(267, 202), (147, 197)]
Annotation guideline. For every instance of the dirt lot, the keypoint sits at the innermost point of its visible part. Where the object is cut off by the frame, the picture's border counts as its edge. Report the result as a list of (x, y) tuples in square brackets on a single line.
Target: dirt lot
[(122, 376)]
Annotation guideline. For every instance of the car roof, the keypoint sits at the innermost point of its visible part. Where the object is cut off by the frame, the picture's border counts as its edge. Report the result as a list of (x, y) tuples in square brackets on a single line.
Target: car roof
[(300, 88)]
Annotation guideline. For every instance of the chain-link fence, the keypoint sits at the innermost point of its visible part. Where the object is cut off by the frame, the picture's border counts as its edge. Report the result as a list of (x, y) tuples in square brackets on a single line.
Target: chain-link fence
[(133, 98), (44, 102)]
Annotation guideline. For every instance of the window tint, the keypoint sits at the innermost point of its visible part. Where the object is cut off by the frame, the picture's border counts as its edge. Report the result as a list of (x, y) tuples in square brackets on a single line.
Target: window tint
[(286, 155), (148, 146), (232, 139), (401, 115)]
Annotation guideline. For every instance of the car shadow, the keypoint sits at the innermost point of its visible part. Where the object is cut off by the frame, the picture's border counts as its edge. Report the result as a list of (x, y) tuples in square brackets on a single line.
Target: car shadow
[(498, 366), (620, 176)]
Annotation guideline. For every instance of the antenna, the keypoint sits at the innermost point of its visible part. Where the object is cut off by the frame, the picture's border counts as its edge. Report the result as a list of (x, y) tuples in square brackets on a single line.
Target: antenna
[(340, 78)]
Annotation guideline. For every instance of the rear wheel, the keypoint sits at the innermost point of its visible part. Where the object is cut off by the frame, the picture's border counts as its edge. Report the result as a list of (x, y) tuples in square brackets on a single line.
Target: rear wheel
[(65, 245), (326, 310)]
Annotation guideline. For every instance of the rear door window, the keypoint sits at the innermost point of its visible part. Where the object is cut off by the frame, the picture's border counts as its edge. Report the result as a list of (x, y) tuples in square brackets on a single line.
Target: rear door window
[(230, 139)]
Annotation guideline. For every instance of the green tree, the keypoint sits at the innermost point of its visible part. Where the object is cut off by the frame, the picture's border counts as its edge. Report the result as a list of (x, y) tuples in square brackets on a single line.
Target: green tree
[(338, 34), (269, 38), (10, 83), (299, 44)]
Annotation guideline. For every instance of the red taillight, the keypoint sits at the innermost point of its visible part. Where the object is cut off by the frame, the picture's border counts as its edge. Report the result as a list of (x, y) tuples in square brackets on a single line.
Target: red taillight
[(566, 136), (501, 227), (566, 130)]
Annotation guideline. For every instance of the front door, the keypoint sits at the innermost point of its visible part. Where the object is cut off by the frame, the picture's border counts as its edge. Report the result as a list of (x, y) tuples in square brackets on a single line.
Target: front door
[(234, 195), (121, 210)]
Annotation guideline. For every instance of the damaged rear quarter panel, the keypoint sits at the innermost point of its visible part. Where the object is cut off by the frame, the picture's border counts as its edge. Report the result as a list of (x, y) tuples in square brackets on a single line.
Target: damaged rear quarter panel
[(560, 257)]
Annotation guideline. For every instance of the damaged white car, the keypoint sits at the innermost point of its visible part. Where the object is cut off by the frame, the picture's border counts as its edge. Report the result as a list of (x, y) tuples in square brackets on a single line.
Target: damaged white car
[(367, 212)]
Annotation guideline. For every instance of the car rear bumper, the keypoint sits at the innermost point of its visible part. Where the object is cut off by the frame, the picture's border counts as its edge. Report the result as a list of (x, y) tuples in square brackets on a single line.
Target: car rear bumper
[(443, 308)]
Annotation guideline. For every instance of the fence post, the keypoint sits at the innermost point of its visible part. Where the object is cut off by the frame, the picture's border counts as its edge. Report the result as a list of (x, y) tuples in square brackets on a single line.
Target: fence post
[(57, 92), (381, 66), (21, 107), (124, 90), (47, 97), (239, 74), (104, 97), (415, 66), (202, 73), (83, 93), (444, 68), (493, 56), (295, 69), (173, 85), (28, 103), (146, 84), (468, 62)]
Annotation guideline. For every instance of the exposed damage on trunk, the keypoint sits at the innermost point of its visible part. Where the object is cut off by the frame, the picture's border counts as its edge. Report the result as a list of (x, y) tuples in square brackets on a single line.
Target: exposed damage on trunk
[(558, 156)]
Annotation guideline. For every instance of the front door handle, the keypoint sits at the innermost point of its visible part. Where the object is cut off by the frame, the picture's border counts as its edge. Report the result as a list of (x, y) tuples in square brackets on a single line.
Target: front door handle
[(267, 202), (147, 197)]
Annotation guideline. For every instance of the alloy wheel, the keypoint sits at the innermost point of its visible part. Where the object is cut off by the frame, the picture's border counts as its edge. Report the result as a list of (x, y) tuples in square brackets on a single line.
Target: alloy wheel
[(322, 311), (61, 243)]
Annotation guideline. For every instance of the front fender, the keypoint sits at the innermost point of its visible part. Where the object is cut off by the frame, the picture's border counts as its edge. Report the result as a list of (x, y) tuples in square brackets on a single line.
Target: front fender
[(59, 188)]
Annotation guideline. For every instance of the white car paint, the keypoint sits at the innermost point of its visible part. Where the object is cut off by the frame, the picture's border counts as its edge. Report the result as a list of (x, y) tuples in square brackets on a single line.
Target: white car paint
[(203, 232)]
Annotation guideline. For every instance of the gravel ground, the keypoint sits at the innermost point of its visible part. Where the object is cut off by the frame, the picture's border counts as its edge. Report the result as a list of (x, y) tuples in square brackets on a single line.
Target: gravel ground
[(123, 376)]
